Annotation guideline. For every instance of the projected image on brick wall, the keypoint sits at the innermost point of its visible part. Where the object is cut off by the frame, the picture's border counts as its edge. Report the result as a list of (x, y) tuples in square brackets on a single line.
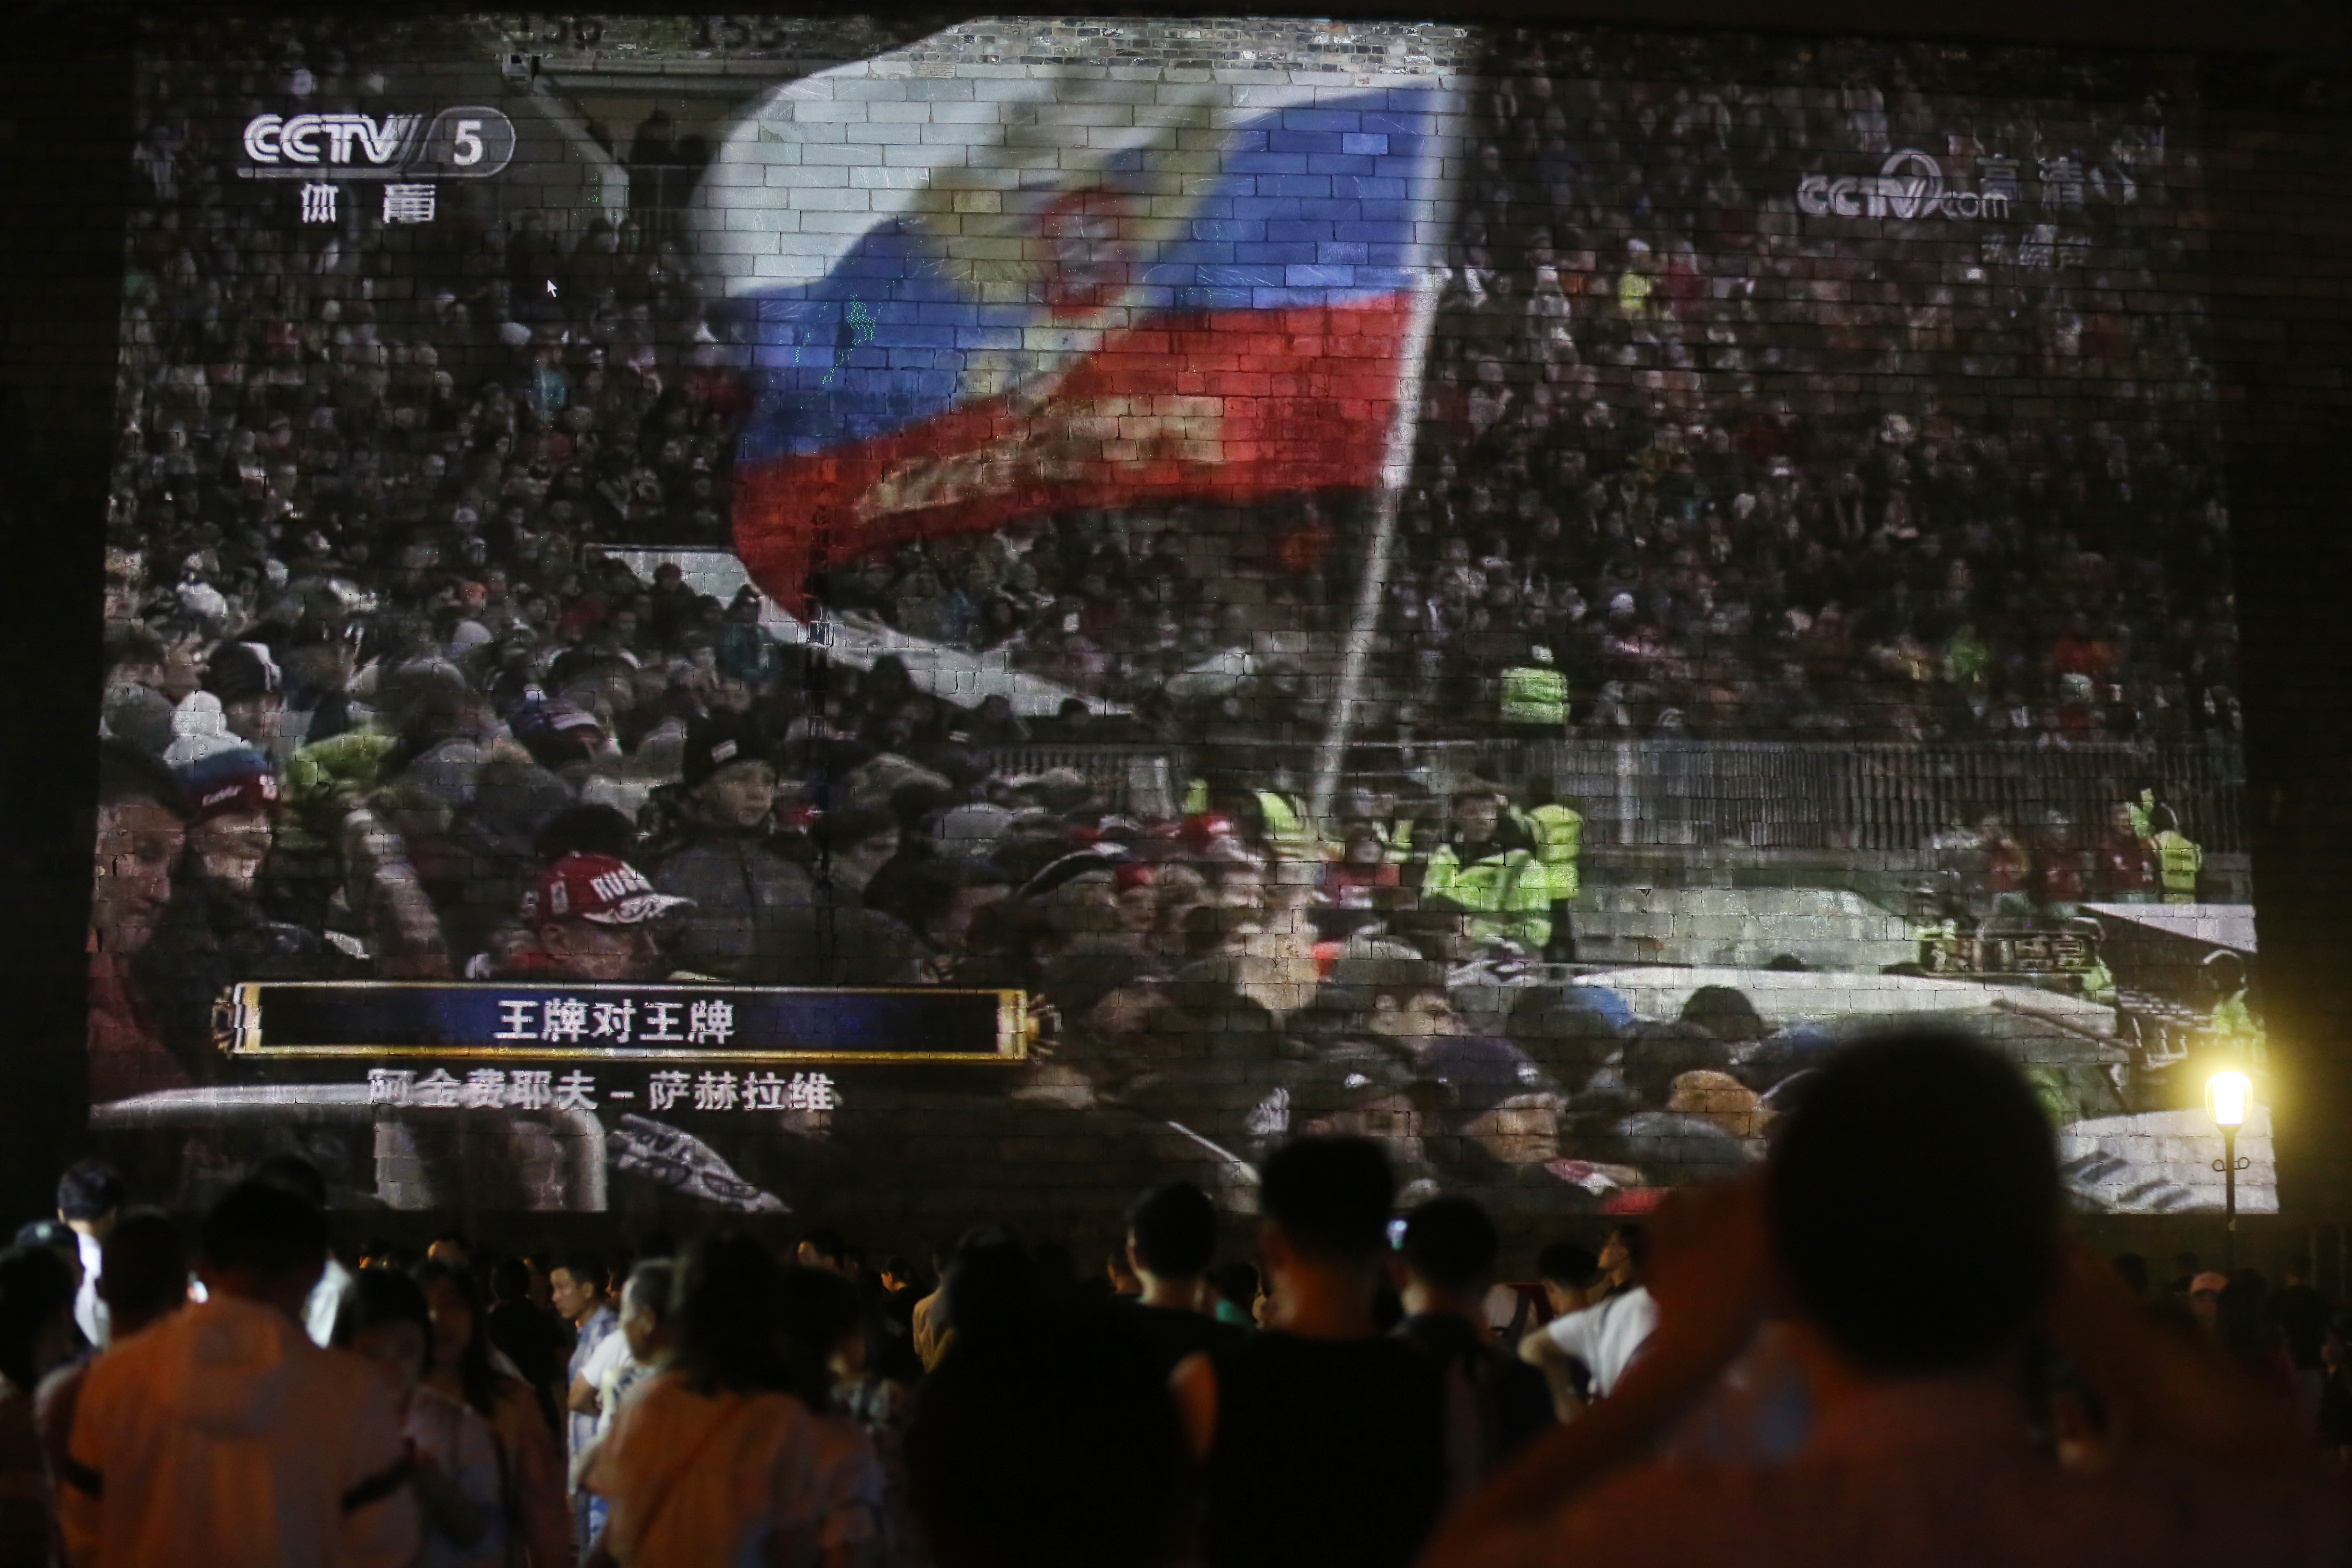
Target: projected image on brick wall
[(767, 615)]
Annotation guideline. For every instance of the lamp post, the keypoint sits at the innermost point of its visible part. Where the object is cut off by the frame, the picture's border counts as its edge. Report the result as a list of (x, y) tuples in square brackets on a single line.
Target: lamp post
[(2227, 1095)]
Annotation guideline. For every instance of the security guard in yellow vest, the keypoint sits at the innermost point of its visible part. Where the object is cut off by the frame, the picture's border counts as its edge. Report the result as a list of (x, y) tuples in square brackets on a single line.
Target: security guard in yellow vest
[(1288, 825), (1487, 865), (1558, 833), (2178, 857), (2234, 1027), (1281, 818), (1534, 695)]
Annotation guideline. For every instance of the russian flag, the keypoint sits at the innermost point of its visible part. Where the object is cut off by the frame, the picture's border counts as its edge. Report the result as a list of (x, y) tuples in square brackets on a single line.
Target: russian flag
[(1006, 290)]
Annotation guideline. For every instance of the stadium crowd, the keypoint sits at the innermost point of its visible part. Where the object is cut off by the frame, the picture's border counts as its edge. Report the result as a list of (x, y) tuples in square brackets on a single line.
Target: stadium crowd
[(474, 404), (1770, 1370), (383, 701), (1744, 473), (1645, 452)]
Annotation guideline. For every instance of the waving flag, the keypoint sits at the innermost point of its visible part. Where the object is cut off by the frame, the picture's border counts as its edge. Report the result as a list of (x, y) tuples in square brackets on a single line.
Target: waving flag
[(1014, 290)]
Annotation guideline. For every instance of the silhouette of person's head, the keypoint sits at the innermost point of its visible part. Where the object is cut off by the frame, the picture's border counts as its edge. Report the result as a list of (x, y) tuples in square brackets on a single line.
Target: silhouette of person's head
[(1330, 1197), (1044, 1442), (1914, 1199)]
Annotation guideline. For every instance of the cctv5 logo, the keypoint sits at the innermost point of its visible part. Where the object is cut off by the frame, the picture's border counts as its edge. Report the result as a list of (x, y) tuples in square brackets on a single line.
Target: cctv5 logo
[(471, 143), (272, 137), (1910, 184)]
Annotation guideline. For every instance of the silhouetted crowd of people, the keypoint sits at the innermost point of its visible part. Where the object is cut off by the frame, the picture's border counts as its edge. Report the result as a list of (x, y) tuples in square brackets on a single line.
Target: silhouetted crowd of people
[(1768, 1368)]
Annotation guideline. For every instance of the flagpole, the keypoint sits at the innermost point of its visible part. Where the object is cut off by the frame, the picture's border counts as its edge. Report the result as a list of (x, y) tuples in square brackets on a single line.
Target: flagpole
[(1396, 469)]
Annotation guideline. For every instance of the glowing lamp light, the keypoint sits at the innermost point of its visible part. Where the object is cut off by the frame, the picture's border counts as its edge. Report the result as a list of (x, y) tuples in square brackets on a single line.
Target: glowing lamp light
[(2229, 1094)]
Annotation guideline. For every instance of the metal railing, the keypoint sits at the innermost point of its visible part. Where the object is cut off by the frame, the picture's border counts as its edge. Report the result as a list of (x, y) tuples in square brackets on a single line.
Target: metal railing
[(1770, 794), (1797, 795), (1144, 779)]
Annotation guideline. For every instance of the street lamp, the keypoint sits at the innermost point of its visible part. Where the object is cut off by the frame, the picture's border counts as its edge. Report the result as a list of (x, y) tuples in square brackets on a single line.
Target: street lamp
[(2227, 1096)]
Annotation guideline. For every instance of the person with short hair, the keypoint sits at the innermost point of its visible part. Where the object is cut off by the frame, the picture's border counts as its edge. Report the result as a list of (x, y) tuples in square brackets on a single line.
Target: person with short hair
[(1322, 1440), (1445, 1262), (280, 1453), (1171, 1236), (1569, 1271), (1488, 867), (633, 1354), (144, 1279), (142, 835), (646, 1335), (899, 1294), (1906, 1227), (89, 1199), (1048, 1443), (579, 1283), (1604, 1337), (532, 1337), (300, 1177)]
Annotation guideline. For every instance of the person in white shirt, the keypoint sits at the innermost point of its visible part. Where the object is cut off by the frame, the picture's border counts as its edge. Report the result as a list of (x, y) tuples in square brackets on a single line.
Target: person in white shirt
[(326, 1300), (644, 1343), (222, 1437), (90, 1201), (597, 1374), (1606, 1336), (300, 1177), (714, 1463), (626, 1357), (578, 1283)]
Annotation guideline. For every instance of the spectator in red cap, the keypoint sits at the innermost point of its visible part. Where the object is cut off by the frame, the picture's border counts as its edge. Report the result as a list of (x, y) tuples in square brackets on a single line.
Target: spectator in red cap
[(594, 917), (216, 931), (232, 799)]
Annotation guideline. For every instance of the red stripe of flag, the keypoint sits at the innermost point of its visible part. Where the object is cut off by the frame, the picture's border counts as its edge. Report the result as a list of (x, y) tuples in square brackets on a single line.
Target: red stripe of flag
[(1225, 407)]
